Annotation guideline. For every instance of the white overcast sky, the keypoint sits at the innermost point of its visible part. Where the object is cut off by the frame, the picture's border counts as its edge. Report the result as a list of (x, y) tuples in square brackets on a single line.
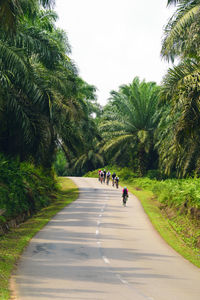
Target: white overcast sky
[(115, 40)]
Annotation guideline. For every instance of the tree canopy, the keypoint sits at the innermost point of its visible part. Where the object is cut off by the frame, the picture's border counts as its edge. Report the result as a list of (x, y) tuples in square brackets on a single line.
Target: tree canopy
[(45, 107), (42, 97)]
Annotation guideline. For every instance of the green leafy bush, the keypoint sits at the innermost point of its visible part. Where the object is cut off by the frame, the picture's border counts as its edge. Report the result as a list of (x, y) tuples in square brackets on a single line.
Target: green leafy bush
[(60, 165), (176, 192), (23, 187)]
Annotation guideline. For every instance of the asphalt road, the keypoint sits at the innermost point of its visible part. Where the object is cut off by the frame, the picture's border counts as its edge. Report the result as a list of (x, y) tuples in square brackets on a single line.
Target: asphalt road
[(97, 249)]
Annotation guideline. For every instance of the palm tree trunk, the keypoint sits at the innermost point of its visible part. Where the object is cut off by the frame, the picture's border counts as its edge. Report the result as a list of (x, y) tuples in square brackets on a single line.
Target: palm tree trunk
[(142, 160)]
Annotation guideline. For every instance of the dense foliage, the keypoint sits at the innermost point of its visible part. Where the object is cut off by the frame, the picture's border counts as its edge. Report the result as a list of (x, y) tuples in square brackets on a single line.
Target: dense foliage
[(179, 127), (50, 116), (45, 107), (23, 187), (42, 99), (128, 124)]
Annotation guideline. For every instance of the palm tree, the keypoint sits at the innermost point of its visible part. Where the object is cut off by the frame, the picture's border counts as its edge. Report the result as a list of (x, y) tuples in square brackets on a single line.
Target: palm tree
[(129, 122), (37, 76), (44, 104), (11, 11), (181, 34), (178, 130), (173, 2), (88, 161), (81, 137)]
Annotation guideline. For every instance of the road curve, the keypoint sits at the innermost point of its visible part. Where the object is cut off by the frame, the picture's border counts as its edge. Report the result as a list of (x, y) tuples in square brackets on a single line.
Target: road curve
[(97, 249)]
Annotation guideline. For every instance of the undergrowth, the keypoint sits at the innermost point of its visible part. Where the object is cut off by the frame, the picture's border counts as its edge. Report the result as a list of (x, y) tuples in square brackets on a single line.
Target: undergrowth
[(24, 187)]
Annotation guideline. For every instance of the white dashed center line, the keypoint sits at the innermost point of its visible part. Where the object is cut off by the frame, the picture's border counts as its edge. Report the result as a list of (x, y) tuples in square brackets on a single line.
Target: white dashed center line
[(106, 260), (121, 279)]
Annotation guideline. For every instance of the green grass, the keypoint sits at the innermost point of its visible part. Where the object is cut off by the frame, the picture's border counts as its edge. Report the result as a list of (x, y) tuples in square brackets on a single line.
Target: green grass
[(13, 243)]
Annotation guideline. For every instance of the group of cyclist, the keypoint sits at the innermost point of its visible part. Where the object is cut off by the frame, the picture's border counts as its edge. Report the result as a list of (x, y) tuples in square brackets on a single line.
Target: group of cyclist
[(104, 177)]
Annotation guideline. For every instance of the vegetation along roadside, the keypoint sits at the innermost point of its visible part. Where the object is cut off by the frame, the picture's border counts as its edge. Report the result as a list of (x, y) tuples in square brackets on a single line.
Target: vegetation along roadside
[(13, 243), (173, 207)]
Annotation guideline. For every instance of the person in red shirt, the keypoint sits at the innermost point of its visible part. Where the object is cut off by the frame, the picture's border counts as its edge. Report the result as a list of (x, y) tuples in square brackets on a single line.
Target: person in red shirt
[(99, 174)]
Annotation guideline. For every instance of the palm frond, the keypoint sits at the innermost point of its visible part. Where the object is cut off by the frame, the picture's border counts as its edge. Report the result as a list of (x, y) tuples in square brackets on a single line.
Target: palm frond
[(176, 28), (117, 142)]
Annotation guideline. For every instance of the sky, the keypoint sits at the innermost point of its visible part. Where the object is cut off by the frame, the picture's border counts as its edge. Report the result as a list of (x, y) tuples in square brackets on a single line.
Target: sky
[(113, 41)]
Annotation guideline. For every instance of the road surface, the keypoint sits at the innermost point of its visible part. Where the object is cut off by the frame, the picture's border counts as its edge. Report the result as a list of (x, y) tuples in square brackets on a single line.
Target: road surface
[(97, 249)]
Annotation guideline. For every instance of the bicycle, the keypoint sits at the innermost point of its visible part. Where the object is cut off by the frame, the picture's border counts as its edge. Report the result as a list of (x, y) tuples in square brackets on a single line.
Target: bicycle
[(117, 182), (113, 181), (113, 178), (125, 198), (101, 177)]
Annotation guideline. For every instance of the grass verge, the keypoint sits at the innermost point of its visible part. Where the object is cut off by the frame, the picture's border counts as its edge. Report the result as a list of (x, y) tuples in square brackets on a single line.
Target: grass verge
[(13, 243), (165, 226)]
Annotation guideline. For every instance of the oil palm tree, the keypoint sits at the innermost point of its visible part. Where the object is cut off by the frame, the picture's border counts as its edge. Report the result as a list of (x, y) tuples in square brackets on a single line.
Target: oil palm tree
[(11, 11), (44, 104), (129, 122), (178, 130), (181, 34), (36, 77), (173, 2), (82, 136)]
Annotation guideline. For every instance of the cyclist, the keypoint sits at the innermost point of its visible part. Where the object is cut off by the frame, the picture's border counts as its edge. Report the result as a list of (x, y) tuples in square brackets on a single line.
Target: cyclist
[(104, 175), (117, 181), (113, 178), (108, 177), (124, 195), (101, 176)]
